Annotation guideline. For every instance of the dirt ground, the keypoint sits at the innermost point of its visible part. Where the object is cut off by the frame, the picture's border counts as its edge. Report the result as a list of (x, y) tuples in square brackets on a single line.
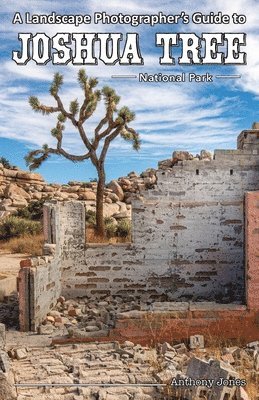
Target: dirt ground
[(10, 263)]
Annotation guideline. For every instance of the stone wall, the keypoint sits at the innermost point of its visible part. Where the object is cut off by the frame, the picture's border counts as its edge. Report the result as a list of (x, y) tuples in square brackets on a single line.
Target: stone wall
[(39, 285), (252, 250), (187, 236)]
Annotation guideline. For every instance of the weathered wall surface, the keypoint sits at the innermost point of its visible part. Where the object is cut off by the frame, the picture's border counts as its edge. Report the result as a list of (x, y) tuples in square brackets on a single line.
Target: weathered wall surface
[(188, 236), (45, 286), (39, 279), (252, 250), (39, 285), (188, 241)]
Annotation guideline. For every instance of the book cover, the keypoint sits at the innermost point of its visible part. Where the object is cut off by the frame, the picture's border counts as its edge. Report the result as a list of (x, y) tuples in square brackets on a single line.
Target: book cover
[(130, 130)]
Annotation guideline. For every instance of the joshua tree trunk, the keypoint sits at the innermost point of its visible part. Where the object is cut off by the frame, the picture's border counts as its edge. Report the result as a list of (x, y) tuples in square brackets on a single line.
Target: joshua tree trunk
[(99, 201)]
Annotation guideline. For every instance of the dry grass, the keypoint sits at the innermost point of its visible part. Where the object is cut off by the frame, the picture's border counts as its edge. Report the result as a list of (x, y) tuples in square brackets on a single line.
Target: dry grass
[(157, 326), (215, 348), (29, 244), (92, 237)]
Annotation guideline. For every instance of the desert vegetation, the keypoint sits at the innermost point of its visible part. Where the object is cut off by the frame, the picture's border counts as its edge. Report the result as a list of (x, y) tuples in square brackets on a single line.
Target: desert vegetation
[(22, 233), (115, 231)]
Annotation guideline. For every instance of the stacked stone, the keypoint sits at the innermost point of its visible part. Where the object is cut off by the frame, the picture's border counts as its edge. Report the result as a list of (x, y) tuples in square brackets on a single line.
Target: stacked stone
[(178, 156)]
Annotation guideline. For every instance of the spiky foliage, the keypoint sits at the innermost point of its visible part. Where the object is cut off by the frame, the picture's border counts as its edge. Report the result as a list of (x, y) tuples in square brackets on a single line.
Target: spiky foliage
[(34, 103), (74, 107), (35, 158), (82, 78), (132, 137), (113, 124), (126, 115), (56, 84)]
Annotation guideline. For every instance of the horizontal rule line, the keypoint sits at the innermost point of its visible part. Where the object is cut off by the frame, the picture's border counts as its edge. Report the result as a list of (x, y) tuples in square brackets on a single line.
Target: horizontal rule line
[(87, 384), (124, 76), (228, 76)]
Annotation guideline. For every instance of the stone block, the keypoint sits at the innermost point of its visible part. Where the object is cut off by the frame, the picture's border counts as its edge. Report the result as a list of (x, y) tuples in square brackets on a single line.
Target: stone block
[(241, 394), (4, 362), (197, 342), (2, 336), (20, 353)]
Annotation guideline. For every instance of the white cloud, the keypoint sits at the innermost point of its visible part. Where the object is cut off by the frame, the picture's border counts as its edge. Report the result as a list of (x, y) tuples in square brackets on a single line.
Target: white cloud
[(166, 114)]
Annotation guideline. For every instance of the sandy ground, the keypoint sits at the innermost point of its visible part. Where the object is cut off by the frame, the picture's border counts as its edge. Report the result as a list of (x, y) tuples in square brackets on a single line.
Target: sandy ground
[(10, 263)]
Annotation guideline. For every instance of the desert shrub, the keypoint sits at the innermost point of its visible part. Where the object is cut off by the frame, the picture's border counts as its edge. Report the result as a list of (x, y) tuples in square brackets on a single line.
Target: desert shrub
[(33, 211), (123, 227), (29, 244), (86, 185), (90, 217), (14, 226), (110, 227)]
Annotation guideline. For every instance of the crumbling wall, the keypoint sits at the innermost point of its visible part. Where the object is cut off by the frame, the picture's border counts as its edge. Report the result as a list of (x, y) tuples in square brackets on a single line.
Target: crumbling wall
[(39, 285), (39, 278), (188, 236), (252, 251)]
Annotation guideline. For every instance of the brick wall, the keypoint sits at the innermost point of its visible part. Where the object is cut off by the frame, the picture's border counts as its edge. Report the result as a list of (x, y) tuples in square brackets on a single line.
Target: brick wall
[(252, 250), (188, 236), (39, 285), (188, 239)]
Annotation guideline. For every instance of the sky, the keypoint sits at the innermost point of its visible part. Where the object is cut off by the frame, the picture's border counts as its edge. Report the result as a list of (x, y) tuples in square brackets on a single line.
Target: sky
[(170, 116)]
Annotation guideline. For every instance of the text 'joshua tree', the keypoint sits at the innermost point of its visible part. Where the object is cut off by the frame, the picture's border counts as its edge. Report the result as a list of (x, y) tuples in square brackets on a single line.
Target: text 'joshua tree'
[(114, 123)]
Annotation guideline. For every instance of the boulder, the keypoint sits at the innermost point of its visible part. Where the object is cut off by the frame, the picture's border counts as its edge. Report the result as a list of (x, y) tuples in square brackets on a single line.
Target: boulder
[(36, 196), (5, 204), (121, 215), (125, 181), (19, 202), (113, 197), (116, 188), (48, 189), (10, 173), (110, 209), (29, 176), (205, 155), (13, 191), (89, 195), (182, 155), (73, 196)]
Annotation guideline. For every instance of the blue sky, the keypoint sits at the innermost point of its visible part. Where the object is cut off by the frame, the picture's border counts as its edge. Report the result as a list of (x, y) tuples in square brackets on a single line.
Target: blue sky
[(169, 116)]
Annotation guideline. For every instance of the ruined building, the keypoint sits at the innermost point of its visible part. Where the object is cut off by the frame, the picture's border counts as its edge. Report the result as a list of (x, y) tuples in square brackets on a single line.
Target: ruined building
[(194, 242)]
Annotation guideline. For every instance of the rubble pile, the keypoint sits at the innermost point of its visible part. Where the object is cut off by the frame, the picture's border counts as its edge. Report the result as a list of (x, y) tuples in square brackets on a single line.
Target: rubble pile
[(167, 364), (87, 317), (128, 371)]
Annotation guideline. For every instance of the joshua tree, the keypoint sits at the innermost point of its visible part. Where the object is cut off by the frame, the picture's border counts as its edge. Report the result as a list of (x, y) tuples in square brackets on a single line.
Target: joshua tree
[(96, 144)]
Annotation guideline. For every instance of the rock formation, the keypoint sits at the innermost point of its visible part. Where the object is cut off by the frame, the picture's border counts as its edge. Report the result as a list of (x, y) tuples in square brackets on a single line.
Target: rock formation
[(18, 188)]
